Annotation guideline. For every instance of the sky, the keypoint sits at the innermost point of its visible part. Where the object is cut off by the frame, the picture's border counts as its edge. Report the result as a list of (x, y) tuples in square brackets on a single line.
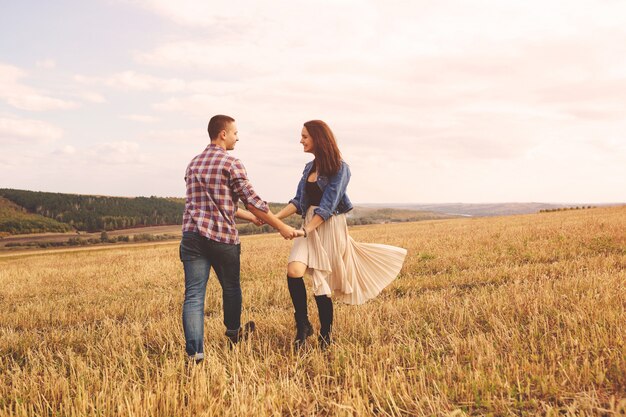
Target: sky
[(444, 101)]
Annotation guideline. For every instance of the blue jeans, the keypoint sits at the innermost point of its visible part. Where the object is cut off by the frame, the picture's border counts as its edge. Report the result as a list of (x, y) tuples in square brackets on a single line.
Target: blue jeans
[(198, 255)]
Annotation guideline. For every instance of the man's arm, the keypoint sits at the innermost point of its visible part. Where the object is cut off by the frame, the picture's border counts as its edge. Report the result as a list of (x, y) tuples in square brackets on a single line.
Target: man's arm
[(242, 187)]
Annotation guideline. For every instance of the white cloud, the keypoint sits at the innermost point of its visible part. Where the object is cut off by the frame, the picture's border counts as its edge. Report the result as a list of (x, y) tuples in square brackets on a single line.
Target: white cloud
[(37, 102), (142, 118), (18, 130), (134, 81), (47, 64), (92, 97), (226, 61), (197, 13), (65, 151), (23, 97), (117, 153), (68, 150), (198, 135)]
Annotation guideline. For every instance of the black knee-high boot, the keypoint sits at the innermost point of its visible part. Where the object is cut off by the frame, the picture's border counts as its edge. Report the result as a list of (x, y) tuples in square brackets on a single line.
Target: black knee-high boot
[(297, 290), (325, 310)]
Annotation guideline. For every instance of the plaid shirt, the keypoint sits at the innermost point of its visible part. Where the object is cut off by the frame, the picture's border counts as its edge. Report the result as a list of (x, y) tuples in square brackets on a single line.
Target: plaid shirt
[(216, 181)]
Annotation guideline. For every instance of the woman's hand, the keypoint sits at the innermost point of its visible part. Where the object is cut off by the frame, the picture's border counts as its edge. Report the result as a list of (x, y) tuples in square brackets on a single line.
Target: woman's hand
[(313, 224)]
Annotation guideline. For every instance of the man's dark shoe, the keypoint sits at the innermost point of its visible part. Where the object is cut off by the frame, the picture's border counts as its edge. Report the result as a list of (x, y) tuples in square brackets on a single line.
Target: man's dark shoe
[(324, 341), (303, 330), (242, 334)]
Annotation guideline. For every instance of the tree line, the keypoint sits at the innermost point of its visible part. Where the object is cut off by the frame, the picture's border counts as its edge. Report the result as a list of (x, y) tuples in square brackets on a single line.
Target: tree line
[(63, 212), (565, 209), (37, 211), (96, 213)]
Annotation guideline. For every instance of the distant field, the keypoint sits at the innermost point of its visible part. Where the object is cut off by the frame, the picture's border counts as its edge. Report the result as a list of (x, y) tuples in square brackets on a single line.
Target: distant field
[(174, 230), (519, 315)]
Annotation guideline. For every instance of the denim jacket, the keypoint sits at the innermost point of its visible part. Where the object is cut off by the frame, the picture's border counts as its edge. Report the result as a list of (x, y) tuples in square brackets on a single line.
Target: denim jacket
[(334, 197)]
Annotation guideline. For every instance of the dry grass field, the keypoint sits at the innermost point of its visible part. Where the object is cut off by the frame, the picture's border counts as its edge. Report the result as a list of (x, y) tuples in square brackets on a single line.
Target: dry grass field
[(502, 316)]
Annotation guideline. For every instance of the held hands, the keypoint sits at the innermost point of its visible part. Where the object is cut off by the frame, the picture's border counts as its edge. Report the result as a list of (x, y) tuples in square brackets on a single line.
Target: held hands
[(257, 221), (290, 233)]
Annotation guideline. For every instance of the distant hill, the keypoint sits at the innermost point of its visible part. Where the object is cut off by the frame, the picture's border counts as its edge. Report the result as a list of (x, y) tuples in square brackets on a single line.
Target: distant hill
[(16, 220), (97, 213), (370, 215), (484, 210)]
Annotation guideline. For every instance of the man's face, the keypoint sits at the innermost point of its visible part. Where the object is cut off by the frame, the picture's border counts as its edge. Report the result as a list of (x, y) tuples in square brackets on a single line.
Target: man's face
[(231, 136)]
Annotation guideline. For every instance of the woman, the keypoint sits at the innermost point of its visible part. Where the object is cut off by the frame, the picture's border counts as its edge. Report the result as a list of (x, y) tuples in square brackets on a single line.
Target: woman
[(354, 272)]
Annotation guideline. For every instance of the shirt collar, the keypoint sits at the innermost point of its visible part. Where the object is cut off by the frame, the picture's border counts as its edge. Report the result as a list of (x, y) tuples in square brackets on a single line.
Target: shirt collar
[(214, 147)]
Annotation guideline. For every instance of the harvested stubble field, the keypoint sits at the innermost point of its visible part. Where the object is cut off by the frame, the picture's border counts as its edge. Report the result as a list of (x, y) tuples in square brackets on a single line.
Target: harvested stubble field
[(504, 316)]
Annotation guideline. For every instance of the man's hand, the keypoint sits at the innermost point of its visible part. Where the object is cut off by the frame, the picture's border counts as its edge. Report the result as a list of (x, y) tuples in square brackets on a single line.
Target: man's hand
[(257, 221), (289, 232), (286, 232)]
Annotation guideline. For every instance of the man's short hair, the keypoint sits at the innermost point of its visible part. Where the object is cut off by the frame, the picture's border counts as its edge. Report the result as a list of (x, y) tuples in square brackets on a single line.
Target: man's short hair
[(217, 124)]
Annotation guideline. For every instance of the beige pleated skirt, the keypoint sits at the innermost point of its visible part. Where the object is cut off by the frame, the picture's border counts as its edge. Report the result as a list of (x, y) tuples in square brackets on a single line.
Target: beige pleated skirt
[(352, 272)]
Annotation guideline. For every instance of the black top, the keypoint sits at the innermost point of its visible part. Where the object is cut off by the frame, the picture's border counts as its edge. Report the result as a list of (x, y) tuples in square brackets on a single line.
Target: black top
[(314, 193)]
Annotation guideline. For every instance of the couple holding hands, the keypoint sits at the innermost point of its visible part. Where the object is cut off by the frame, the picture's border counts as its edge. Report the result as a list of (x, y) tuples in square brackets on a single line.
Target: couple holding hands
[(350, 271)]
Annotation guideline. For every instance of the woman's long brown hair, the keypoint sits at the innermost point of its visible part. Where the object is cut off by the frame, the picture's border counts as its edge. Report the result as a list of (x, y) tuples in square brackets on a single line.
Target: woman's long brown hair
[(327, 154)]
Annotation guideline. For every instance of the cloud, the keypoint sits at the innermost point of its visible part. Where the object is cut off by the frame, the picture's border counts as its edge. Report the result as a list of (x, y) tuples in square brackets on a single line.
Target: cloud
[(46, 64), (92, 97), (134, 81), (222, 61), (196, 135), (117, 153), (23, 97), (68, 150), (200, 13), (21, 131), (65, 150), (142, 82), (142, 118)]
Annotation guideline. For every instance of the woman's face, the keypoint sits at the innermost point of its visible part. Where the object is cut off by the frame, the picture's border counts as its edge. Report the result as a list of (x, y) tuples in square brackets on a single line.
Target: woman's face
[(307, 141)]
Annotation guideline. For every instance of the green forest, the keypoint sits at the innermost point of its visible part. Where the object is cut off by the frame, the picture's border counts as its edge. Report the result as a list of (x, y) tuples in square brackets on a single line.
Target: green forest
[(96, 213), (16, 220)]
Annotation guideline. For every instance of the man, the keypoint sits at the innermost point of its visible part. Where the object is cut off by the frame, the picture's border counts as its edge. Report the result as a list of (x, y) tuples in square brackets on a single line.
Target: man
[(216, 181)]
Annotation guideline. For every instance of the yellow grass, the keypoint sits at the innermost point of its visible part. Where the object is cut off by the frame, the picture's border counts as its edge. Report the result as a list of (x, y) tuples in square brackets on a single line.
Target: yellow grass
[(511, 315)]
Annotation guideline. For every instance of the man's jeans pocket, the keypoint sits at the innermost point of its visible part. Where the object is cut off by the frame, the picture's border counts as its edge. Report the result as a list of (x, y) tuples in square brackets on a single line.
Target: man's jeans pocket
[(191, 246)]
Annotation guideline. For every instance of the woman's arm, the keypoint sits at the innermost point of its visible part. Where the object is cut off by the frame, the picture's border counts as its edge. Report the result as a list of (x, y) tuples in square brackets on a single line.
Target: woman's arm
[(270, 218), (246, 215), (296, 200), (312, 225), (333, 192), (287, 211)]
